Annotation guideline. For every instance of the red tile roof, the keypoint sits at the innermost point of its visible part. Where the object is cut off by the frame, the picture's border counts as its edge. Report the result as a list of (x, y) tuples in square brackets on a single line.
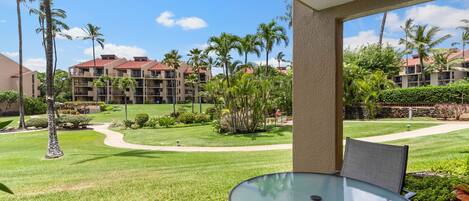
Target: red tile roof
[(159, 67), (99, 63), (133, 65), (416, 61), (190, 70)]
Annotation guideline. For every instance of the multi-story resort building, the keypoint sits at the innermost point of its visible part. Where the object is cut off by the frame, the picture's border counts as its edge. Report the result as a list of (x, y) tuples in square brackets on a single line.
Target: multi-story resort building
[(156, 82), (9, 77), (411, 72)]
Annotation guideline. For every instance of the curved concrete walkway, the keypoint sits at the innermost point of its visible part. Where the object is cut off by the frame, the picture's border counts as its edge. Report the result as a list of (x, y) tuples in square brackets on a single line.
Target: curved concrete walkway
[(116, 139)]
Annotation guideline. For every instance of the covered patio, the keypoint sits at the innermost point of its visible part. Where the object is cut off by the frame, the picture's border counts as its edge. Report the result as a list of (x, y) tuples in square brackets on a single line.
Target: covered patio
[(317, 86)]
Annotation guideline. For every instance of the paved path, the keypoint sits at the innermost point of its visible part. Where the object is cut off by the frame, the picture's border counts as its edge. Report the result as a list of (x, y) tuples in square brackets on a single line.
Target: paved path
[(116, 139)]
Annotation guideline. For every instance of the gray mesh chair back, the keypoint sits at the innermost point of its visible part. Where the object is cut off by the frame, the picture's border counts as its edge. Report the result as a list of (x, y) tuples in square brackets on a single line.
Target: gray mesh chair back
[(378, 164)]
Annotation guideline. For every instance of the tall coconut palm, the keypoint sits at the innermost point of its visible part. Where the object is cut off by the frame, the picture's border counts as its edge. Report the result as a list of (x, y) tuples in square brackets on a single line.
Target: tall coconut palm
[(123, 84), (464, 37), (53, 148), (193, 80), (249, 44), (197, 61), (271, 34), (280, 58), (222, 46), (423, 39), (443, 60), (22, 124), (407, 28), (173, 60), (383, 26), (93, 34), (288, 15)]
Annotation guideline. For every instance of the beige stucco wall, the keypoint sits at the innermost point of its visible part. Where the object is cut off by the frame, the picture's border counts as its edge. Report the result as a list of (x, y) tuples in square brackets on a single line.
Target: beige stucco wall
[(8, 69), (317, 84)]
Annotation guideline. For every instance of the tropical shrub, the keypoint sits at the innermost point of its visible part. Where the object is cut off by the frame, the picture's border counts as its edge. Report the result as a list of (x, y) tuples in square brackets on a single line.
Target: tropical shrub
[(201, 118), (152, 122), (128, 123), (7, 98), (34, 106), (4, 124), (135, 126), (166, 121), (104, 107), (186, 118), (427, 95), (141, 119), (212, 112), (116, 124), (74, 121), (434, 188), (39, 122), (373, 57)]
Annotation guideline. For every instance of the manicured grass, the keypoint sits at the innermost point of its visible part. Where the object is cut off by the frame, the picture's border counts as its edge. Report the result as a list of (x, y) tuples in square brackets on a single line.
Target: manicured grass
[(150, 109), (357, 129), (92, 171), (206, 136)]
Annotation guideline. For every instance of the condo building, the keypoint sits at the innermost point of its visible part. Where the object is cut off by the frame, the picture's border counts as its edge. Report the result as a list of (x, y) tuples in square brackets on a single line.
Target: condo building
[(411, 72), (9, 78), (156, 82)]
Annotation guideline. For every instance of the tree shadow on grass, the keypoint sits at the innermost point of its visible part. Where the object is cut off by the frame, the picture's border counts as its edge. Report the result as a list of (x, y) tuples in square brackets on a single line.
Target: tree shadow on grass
[(272, 131), (133, 153), (5, 189)]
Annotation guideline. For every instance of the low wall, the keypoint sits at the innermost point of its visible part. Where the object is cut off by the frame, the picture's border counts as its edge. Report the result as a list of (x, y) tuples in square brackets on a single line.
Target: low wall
[(12, 111), (386, 111)]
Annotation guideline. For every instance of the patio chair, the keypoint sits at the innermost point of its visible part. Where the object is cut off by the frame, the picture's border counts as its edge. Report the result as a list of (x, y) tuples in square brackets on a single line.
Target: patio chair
[(379, 164)]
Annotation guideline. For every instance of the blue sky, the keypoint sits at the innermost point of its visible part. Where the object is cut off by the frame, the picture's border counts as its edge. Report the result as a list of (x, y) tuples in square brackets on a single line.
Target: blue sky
[(153, 27)]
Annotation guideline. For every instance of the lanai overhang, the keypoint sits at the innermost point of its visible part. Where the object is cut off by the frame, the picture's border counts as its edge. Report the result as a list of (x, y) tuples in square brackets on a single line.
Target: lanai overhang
[(317, 83)]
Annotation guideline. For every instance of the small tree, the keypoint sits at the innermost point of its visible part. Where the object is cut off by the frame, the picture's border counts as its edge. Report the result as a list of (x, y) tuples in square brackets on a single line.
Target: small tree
[(192, 80), (124, 84), (102, 82)]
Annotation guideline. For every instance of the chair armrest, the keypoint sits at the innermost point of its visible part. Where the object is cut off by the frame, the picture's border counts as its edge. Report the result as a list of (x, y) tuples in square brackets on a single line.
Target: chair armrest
[(408, 194)]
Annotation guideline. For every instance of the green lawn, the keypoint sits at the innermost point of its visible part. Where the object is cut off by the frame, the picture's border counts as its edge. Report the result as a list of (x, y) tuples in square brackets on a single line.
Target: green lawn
[(205, 136), (150, 109), (92, 171)]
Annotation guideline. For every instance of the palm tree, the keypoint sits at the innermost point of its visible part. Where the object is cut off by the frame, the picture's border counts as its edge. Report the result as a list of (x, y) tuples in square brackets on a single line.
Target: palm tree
[(464, 37), (173, 60), (443, 60), (280, 58), (53, 148), (124, 84), (383, 26), (93, 34), (249, 44), (102, 82), (271, 34), (192, 80), (423, 39), (288, 15), (407, 28), (22, 124), (222, 46), (197, 61)]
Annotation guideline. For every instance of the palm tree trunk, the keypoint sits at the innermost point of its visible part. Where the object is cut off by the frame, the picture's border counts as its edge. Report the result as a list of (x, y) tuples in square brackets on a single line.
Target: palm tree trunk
[(198, 94), (267, 63), (53, 148), (383, 25), (246, 59), (125, 105), (55, 55), (174, 95), (20, 67), (228, 100), (422, 70), (193, 99), (463, 54)]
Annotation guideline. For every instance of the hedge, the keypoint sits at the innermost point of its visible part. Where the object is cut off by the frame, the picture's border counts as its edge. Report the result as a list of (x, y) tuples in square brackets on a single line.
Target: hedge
[(426, 95)]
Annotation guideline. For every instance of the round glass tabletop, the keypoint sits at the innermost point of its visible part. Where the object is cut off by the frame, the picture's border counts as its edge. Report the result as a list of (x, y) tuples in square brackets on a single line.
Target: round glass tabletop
[(307, 187)]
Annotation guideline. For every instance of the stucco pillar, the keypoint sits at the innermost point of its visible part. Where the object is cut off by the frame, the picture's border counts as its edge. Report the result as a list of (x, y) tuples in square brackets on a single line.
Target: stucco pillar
[(317, 91)]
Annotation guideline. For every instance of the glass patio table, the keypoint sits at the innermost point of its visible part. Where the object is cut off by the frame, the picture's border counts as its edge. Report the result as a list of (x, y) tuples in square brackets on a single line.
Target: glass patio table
[(309, 187)]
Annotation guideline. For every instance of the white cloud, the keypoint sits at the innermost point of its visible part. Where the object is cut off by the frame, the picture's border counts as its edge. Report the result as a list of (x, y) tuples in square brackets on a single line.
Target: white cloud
[(36, 64), (165, 19), (119, 50), (11, 54), (367, 37), (186, 23), (75, 33), (191, 23), (272, 62), (445, 17)]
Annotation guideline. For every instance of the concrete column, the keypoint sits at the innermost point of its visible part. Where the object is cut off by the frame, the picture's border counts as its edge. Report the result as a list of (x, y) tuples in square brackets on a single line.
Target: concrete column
[(317, 91)]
